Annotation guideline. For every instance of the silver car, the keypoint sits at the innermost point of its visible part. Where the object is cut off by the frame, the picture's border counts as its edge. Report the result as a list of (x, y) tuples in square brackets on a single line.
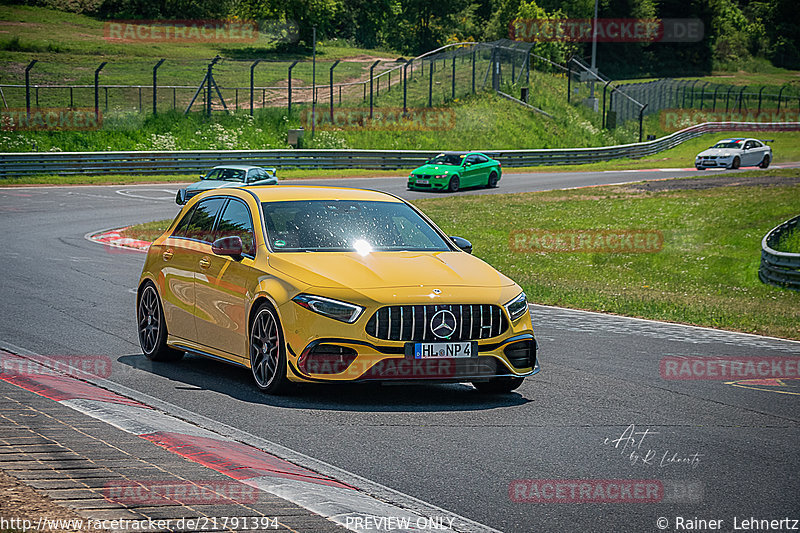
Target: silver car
[(228, 176), (735, 153)]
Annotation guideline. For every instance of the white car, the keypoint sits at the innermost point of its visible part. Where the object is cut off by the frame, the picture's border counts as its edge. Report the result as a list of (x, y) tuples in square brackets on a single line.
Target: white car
[(735, 153), (228, 176)]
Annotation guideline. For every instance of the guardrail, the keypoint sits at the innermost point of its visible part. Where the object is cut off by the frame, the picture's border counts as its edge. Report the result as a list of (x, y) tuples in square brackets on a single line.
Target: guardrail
[(779, 268), (191, 162)]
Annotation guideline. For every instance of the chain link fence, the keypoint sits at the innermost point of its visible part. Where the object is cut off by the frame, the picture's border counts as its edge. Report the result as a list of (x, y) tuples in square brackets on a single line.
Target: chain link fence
[(368, 83)]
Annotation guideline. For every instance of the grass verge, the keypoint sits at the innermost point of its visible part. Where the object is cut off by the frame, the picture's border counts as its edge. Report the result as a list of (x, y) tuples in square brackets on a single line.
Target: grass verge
[(705, 274)]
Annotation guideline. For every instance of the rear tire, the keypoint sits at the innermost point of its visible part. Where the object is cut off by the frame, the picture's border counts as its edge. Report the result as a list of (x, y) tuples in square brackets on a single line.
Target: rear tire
[(152, 327), (454, 184), (497, 385), (492, 183), (764, 162), (268, 352)]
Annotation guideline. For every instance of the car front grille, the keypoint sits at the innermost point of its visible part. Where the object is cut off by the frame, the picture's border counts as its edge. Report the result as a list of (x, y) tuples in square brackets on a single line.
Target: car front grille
[(416, 322)]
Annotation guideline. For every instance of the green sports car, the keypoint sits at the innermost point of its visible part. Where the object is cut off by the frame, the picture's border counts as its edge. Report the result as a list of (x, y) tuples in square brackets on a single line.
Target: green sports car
[(452, 170)]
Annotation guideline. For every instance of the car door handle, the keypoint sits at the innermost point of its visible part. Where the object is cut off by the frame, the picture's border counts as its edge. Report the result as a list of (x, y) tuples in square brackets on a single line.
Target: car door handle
[(167, 255), (205, 263)]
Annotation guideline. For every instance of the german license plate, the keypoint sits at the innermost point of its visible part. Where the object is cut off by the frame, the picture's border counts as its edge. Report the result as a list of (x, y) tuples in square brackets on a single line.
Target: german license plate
[(423, 182), (443, 350)]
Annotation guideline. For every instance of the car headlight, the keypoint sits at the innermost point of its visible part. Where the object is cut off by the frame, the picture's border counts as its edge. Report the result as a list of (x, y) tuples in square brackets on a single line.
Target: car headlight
[(726, 155), (335, 309), (517, 307), (441, 176)]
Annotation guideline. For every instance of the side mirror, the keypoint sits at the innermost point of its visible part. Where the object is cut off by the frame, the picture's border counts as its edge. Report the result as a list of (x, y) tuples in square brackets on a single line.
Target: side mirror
[(180, 197), (228, 246), (462, 243)]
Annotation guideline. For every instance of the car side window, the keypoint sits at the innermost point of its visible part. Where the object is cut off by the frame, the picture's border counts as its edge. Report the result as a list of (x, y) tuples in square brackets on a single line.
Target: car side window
[(180, 229), (236, 222), (261, 174), (471, 159), (481, 159), (202, 222)]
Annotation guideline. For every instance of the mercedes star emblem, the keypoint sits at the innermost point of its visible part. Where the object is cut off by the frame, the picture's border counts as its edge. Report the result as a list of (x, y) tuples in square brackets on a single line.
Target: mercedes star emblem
[(443, 324)]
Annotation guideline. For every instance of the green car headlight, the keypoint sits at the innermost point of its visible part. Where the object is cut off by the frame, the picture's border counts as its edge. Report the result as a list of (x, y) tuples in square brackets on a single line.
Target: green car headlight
[(335, 309), (517, 307)]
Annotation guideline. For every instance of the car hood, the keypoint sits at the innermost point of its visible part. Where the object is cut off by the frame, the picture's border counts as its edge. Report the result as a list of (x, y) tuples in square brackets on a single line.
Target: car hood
[(207, 185), (435, 169), (387, 269), (720, 151)]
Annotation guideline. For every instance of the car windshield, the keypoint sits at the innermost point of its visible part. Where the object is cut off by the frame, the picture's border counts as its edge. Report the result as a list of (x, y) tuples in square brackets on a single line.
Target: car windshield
[(729, 144), (347, 225), (226, 174), (447, 159)]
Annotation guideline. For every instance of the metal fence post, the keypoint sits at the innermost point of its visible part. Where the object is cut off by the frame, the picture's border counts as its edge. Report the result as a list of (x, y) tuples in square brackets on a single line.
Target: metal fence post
[(714, 102), (371, 77), (473, 70), (28, 87), (641, 117), (405, 91), (569, 79), (740, 98), (703, 94), (155, 85), (759, 97), (252, 84), (453, 91), (604, 103), (97, 90), (331, 86), (780, 94), (727, 97), (289, 89), (430, 84), (691, 101)]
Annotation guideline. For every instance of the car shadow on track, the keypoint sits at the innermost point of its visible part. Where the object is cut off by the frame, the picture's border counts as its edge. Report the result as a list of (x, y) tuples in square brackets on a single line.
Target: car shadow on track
[(196, 373)]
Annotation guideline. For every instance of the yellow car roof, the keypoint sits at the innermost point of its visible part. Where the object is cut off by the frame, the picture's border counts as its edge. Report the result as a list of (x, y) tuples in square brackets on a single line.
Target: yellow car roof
[(283, 193)]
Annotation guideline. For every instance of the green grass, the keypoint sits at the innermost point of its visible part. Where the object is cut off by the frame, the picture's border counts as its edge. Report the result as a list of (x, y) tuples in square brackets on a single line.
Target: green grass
[(705, 274), (790, 242)]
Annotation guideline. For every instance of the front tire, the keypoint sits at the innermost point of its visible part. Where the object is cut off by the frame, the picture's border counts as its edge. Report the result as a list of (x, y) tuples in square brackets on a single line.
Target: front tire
[(736, 163), (267, 352), (764, 162), (152, 326), (454, 184), (497, 385), (492, 182)]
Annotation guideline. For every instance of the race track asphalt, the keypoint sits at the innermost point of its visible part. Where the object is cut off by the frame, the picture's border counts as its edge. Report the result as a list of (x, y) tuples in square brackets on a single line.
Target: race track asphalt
[(447, 445)]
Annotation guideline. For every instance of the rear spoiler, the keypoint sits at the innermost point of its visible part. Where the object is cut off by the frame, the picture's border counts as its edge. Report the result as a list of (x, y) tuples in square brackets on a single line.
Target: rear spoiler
[(767, 140)]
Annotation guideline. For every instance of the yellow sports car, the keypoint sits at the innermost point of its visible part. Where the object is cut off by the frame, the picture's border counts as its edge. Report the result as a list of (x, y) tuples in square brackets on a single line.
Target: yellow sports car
[(321, 284)]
